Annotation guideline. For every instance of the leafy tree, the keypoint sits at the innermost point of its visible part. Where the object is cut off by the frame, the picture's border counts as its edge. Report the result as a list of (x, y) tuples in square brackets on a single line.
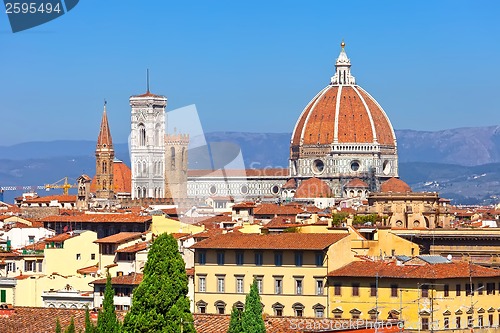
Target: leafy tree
[(106, 319), (160, 302), (58, 326), (89, 326), (71, 327), (235, 323), (339, 218), (251, 319)]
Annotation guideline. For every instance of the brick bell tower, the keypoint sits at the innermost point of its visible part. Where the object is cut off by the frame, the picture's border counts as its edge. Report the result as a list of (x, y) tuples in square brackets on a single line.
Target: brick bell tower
[(104, 157)]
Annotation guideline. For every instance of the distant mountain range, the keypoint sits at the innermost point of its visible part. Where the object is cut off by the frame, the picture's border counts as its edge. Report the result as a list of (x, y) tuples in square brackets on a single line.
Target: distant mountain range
[(461, 164)]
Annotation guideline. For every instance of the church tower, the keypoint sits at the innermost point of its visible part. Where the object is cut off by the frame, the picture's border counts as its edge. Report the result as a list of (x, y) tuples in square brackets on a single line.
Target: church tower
[(104, 156), (147, 145), (176, 166)]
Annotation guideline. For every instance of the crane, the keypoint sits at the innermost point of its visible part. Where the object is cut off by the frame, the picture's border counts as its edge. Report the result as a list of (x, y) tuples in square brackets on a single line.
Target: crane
[(65, 186)]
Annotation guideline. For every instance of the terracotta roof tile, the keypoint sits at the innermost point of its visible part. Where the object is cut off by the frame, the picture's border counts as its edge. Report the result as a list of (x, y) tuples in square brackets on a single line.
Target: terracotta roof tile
[(313, 188), (395, 185), (134, 248), (88, 270), (424, 271), (122, 178), (47, 199), (356, 183), (290, 184), (284, 241), (59, 238), (281, 223), (119, 238), (99, 218), (131, 279), (273, 209)]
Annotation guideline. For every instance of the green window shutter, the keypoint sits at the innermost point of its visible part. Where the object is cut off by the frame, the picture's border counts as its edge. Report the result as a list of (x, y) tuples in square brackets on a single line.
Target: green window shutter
[(3, 296)]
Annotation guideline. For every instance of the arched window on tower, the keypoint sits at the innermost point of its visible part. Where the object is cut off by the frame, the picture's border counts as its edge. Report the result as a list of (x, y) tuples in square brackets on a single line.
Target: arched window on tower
[(183, 155), (172, 157), (144, 192), (104, 167), (144, 169), (138, 192), (142, 135)]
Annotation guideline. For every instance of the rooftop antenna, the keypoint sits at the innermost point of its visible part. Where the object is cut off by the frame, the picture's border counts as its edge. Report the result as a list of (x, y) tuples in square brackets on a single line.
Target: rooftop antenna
[(147, 75)]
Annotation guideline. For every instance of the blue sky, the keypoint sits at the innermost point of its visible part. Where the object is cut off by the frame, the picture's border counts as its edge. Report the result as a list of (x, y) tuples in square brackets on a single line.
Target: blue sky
[(248, 65)]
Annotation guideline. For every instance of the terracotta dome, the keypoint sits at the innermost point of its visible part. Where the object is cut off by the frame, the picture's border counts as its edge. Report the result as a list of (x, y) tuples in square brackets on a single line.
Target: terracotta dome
[(313, 188), (395, 185), (356, 183)]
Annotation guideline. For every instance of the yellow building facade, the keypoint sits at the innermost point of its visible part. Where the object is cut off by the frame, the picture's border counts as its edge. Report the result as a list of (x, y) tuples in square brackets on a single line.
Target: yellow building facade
[(426, 295), (290, 270)]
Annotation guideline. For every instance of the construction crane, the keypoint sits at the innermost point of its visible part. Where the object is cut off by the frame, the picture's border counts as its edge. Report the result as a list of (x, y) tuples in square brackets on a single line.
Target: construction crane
[(65, 186)]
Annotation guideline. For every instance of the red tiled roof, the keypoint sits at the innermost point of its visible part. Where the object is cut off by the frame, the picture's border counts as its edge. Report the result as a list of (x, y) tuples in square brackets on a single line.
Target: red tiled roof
[(38, 246), (244, 205), (356, 183), (190, 271), (313, 188), (131, 279), (98, 218), (348, 119), (290, 184), (122, 178), (180, 235), (271, 172), (210, 222), (47, 199), (273, 209), (424, 271), (284, 241), (88, 270), (395, 185), (119, 238), (281, 223), (59, 238), (148, 94), (134, 248)]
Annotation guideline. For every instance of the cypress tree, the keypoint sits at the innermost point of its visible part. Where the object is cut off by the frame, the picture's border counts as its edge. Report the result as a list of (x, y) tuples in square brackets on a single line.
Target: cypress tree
[(71, 327), (58, 326), (106, 319), (235, 323), (89, 326), (251, 319), (160, 302)]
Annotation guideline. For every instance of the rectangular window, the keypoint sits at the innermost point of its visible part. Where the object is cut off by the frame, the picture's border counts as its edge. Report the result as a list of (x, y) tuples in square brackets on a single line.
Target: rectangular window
[(11, 267), (490, 320), (3, 296), (446, 290), (278, 286), (260, 285), (92, 256), (490, 288), (458, 289), (320, 288), (298, 287), (221, 284), (78, 256), (319, 258), (394, 290), (278, 258), (220, 258), (425, 291), (29, 266), (239, 258), (425, 324), (239, 284), (355, 289), (202, 284), (446, 322), (319, 312), (480, 322), (373, 290), (40, 265), (480, 287), (337, 289), (259, 258), (202, 257), (458, 322), (298, 259), (469, 289), (470, 321)]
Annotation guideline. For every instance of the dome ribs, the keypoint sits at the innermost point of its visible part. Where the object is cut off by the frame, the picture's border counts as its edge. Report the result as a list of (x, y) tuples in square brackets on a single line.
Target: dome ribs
[(354, 124), (383, 127)]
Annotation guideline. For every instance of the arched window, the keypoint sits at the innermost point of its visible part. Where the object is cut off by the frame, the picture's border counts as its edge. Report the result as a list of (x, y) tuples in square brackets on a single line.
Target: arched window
[(220, 306), (298, 308), (183, 155), (142, 135), (144, 195), (278, 309), (104, 167), (144, 169), (138, 192), (172, 157)]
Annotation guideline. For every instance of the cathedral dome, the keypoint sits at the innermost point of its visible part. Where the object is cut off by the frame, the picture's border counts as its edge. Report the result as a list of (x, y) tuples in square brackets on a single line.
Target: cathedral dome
[(341, 113), (395, 185)]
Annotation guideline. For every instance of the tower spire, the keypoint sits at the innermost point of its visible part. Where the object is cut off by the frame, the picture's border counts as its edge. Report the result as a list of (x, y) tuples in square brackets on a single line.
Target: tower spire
[(343, 69), (104, 137), (147, 79)]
